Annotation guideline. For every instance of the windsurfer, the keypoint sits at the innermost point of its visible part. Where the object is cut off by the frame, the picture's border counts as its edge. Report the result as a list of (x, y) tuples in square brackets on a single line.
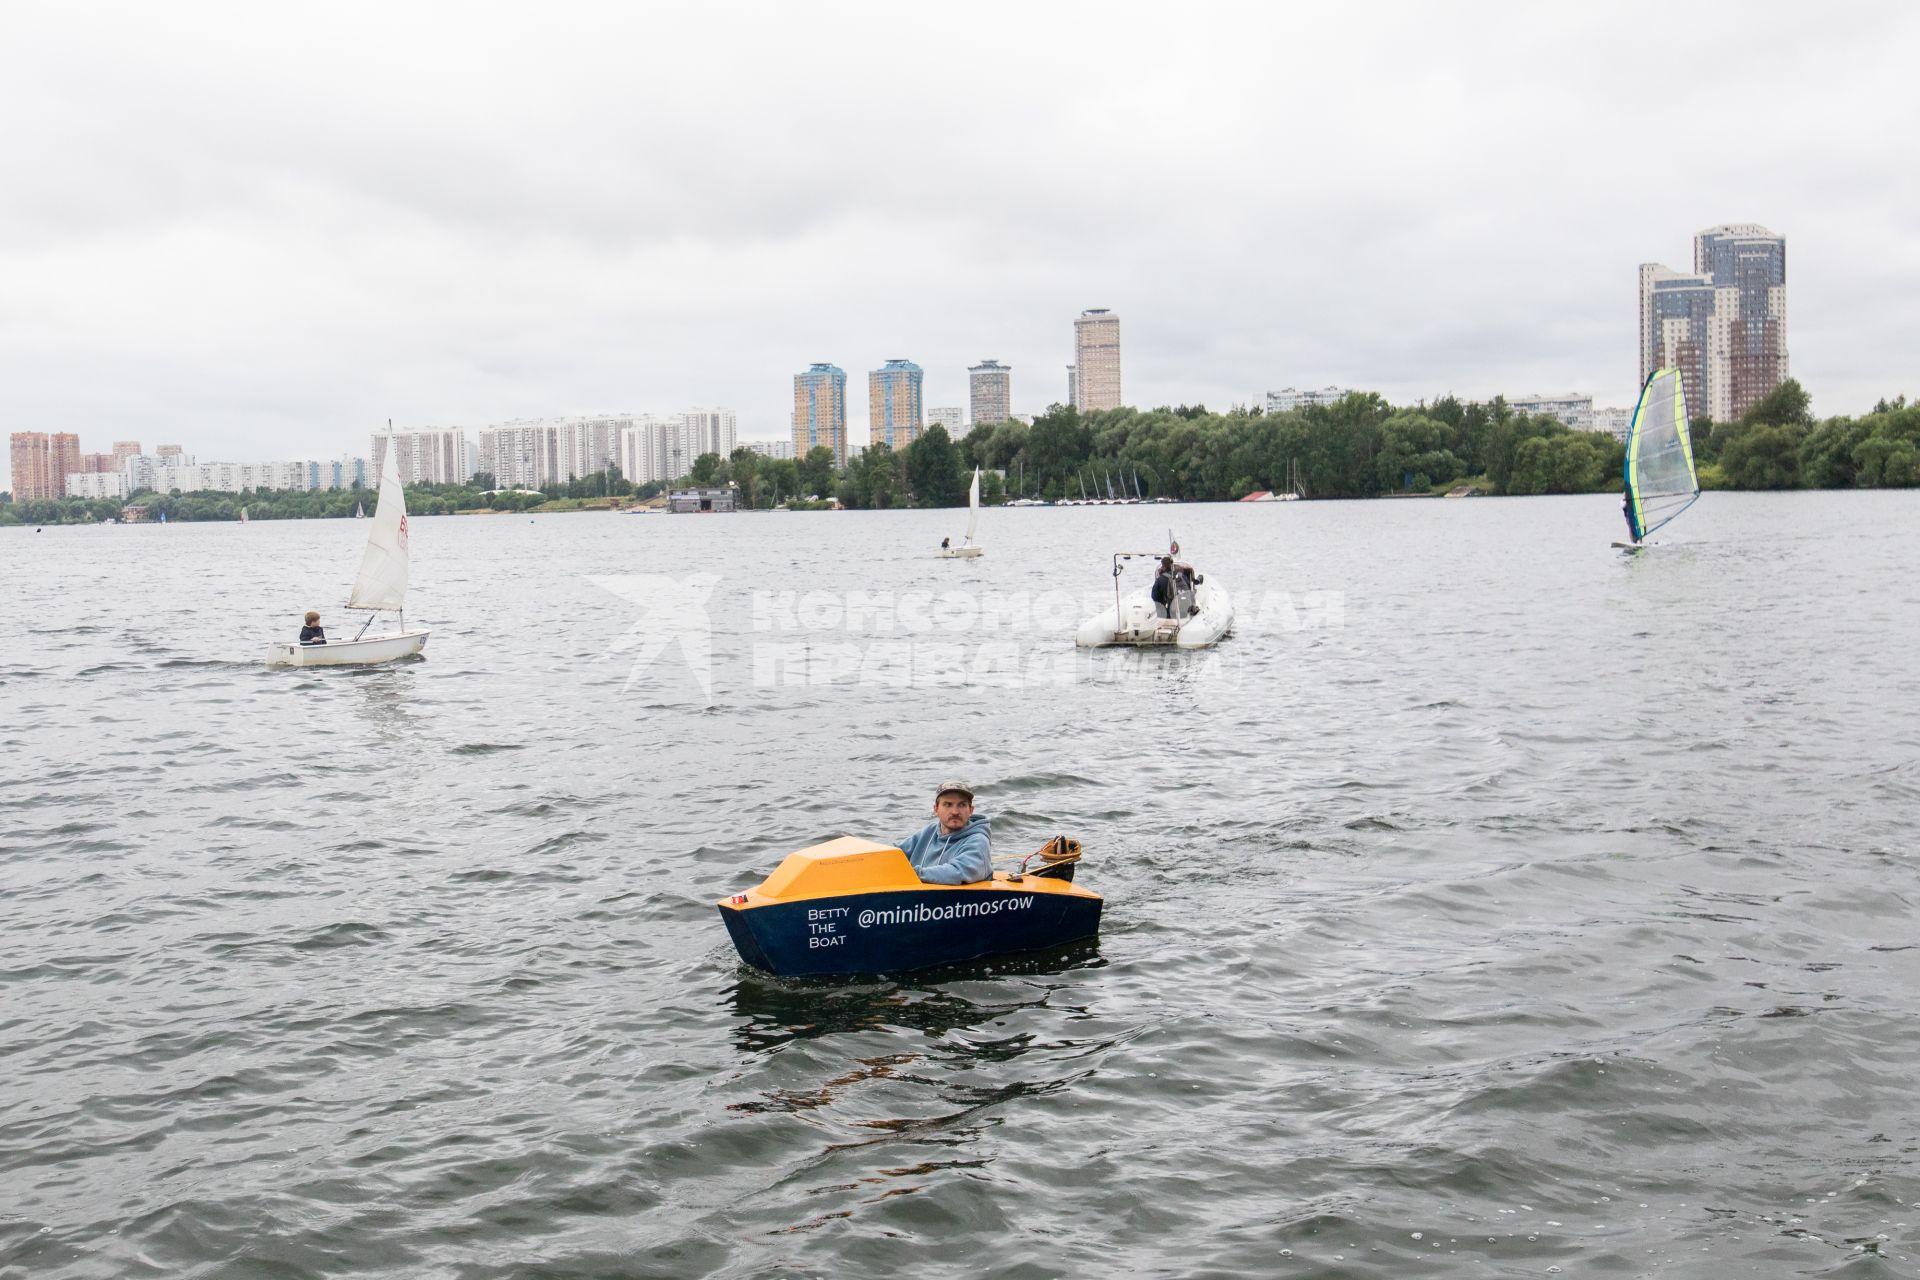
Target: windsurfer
[(1626, 509), (955, 848), (313, 632)]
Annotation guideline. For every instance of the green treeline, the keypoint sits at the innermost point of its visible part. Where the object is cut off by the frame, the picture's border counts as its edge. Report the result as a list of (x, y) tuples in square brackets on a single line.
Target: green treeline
[(1361, 447), (1780, 446)]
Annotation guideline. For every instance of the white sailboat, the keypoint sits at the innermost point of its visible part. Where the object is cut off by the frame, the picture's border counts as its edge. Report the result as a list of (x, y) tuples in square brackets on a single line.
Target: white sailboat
[(969, 548), (359, 512), (380, 587)]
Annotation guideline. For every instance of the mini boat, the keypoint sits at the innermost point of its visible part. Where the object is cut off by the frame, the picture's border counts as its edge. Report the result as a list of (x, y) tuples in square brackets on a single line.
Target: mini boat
[(1202, 614), (850, 906)]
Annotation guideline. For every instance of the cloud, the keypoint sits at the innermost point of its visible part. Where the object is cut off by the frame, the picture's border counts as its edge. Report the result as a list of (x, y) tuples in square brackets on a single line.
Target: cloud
[(262, 233)]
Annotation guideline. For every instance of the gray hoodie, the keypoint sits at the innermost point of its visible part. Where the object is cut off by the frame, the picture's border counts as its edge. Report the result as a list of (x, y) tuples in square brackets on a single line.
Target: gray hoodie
[(964, 857)]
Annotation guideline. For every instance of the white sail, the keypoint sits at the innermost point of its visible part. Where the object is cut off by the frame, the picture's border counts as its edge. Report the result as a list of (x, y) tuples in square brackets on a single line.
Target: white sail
[(973, 505), (382, 582)]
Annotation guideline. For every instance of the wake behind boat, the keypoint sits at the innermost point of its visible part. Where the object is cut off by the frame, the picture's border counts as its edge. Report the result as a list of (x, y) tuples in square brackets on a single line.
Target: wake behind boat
[(1660, 477), (380, 587)]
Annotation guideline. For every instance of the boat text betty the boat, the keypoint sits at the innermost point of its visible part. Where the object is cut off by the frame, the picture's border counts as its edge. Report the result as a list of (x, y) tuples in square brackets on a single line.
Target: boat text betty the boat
[(851, 906)]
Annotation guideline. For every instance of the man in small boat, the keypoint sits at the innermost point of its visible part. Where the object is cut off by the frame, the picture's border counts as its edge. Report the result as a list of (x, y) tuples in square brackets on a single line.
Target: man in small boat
[(313, 632), (945, 543), (955, 847)]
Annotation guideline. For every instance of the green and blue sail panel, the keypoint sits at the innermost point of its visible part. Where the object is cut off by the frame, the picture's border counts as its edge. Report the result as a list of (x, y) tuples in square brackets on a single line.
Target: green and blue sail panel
[(1660, 477)]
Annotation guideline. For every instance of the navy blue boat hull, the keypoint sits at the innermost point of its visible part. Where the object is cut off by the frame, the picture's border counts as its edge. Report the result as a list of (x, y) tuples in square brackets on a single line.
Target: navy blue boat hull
[(901, 931)]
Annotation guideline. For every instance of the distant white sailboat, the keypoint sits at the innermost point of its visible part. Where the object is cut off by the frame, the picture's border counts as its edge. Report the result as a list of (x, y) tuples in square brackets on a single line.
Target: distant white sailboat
[(243, 515), (359, 512), (380, 587), (969, 548)]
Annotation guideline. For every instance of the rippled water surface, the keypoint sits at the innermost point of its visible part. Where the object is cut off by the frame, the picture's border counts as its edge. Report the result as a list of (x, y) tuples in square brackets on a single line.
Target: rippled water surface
[(1489, 904)]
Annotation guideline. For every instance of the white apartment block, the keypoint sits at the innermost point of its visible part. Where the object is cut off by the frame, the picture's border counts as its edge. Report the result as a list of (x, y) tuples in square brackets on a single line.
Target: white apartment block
[(1615, 422), (331, 473), (948, 416), (1289, 399), (179, 473), (776, 449), (712, 431), (97, 484), (142, 469), (1574, 411), (432, 456), (588, 445), (533, 453), (520, 454)]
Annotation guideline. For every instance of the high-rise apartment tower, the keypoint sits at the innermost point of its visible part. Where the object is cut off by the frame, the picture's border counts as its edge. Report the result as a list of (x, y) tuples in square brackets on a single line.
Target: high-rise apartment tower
[(895, 413), (1724, 324), (1096, 360), (990, 387), (820, 411)]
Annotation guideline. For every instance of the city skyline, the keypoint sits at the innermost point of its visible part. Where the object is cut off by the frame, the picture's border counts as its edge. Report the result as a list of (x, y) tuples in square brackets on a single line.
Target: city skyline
[(1471, 225)]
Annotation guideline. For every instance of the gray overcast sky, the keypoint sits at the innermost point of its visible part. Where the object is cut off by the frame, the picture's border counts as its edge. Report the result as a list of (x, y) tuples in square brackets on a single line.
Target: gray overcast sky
[(260, 232)]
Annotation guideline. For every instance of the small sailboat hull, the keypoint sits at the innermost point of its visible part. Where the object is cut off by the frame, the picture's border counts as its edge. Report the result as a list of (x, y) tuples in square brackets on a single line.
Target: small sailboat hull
[(347, 653), (1135, 625), (851, 906), (968, 548)]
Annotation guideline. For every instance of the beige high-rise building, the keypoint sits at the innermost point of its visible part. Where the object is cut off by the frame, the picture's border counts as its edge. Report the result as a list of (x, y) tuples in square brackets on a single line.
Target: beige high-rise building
[(122, 450), (63, 460), (31, 472), (1096, 360), (895, 412), (991, 385)]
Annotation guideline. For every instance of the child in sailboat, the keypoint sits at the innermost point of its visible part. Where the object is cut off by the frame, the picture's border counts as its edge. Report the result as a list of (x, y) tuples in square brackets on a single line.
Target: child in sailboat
[(313, 632)]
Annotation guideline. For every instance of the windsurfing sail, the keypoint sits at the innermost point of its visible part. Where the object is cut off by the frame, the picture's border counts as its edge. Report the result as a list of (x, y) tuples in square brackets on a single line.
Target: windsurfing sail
[(973, 505), (382, 582), (1660, 478)]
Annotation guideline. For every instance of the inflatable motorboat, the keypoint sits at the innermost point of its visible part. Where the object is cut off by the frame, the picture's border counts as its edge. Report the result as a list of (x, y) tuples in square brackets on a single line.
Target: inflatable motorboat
[(1200, 614), (851, 906)]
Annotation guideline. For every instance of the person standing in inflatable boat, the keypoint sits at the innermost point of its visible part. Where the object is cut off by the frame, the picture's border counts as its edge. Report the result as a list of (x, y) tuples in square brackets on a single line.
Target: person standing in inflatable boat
[(955, 847)]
